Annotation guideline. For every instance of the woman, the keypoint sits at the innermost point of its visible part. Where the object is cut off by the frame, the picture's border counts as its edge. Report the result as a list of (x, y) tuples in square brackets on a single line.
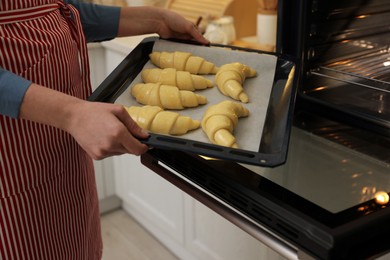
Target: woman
[(49, 133)]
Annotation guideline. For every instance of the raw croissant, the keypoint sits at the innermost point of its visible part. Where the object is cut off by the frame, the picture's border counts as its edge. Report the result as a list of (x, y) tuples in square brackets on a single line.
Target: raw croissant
[(219, 121), (183, 61), (181, 79), (165, 96), (230, 78), (156, 120)]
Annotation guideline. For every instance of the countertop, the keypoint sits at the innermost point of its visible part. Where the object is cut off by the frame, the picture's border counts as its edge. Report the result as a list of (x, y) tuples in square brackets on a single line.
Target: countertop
[(126, 44)]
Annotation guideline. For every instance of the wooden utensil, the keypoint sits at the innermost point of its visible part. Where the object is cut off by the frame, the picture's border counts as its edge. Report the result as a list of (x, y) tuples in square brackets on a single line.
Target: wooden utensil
[(268, 6)]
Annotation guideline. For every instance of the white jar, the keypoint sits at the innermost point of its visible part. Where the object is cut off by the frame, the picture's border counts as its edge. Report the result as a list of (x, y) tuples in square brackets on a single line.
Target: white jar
[(221, 30), (266, 27)]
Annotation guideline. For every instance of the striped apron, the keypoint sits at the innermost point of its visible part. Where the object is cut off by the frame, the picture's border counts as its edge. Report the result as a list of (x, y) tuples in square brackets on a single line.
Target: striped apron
[(48, 199)]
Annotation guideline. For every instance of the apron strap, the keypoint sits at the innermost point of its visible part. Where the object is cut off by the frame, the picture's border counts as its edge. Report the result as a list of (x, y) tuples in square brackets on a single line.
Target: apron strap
[(72, 15)]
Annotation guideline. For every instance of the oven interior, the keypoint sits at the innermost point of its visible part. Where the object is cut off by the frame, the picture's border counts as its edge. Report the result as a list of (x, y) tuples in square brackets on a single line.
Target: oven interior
[(343, 48)]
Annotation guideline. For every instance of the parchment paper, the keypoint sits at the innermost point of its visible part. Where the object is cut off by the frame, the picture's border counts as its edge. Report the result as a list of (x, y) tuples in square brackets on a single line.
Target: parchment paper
[(248, 130)]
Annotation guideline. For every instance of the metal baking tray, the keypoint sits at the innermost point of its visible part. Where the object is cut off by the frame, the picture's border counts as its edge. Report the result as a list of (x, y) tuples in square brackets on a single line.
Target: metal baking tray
[(263, 136)]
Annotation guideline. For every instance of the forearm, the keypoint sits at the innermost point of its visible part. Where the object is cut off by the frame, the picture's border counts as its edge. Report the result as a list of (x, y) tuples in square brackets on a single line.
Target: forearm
[(101, 129), (139, 20), (167, 24), (47, 106)]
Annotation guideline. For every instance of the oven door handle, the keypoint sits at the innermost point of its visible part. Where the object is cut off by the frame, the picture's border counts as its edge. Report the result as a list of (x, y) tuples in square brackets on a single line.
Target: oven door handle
[(258, 232)]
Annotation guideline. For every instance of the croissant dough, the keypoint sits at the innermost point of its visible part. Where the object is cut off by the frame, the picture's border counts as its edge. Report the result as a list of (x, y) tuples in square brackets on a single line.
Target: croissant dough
[(230, 78), (165, 96), (157, 120), (183, 61), (220, 120), (181, 79)]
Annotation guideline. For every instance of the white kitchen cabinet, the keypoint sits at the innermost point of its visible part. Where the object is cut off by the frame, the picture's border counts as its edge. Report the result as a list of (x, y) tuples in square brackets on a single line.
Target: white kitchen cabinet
[(210, 236), (105, 179), (188, 228), (151, 199), (153, 202)]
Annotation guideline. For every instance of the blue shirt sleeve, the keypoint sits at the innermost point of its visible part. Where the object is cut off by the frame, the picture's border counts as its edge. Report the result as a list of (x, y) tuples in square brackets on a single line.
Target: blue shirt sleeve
[(100, 23), (12, 91)]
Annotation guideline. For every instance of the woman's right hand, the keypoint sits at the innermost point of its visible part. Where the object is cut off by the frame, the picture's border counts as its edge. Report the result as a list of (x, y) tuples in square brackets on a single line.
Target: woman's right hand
[(105, 130), (101, 129)]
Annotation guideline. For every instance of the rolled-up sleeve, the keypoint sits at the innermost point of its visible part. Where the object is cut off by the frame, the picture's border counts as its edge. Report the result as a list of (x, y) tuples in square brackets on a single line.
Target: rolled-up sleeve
[(99, 22), (12, 91)]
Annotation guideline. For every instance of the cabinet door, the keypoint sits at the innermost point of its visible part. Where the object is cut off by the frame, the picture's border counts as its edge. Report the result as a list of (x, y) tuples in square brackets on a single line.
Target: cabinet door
[(103, 169), (210, 236), (154, 202)]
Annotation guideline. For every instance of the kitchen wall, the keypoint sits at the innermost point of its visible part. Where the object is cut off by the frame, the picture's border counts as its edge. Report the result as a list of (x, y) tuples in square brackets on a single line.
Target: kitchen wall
[(245, 15)]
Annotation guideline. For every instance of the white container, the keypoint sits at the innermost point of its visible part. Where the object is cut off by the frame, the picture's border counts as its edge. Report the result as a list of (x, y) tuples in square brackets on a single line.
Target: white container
[(221, 30), (266, 28)]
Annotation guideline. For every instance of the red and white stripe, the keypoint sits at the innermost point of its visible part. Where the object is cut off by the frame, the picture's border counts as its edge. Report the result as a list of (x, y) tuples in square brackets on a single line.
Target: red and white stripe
[(48, 201), (31, 13)]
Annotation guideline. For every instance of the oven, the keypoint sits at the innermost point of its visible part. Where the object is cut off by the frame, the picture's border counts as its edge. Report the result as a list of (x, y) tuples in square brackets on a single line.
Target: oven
[(343, 48), (318, 184)]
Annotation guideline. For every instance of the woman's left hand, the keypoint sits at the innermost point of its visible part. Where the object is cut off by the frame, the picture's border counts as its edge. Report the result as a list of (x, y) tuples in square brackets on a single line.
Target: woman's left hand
[(167, 24), (176, 26)]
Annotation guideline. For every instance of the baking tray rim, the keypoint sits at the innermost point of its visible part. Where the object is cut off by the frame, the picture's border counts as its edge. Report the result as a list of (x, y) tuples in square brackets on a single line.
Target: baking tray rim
[(275, 138)]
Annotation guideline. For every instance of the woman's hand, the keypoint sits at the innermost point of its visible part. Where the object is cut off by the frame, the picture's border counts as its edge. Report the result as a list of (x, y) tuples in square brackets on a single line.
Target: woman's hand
[(101, 129), (105, 130), (167, 24), (176, 26)]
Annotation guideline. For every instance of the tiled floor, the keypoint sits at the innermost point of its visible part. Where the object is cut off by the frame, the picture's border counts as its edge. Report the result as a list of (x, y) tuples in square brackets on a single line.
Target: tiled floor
[(125, 239)]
